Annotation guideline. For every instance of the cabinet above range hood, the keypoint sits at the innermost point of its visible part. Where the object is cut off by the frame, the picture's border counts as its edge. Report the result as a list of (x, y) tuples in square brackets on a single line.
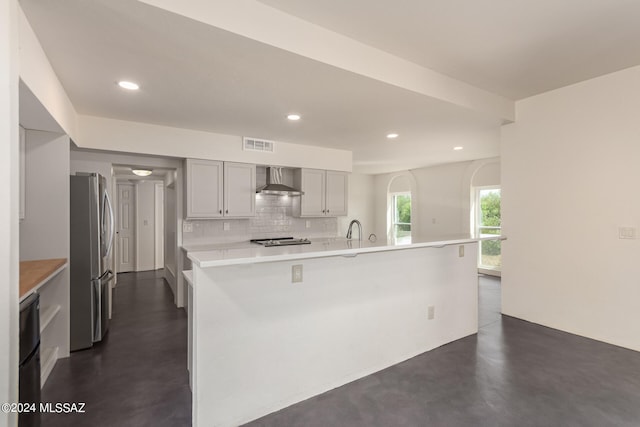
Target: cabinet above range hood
[(275, 187)]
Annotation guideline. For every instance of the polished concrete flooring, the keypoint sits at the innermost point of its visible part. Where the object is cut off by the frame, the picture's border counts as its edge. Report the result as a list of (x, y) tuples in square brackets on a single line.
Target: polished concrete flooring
[(512, 373), (137, 375)]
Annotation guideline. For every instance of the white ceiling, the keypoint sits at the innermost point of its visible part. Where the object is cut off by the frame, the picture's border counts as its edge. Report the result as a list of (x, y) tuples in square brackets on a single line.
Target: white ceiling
[(515, 48), (198, 76)]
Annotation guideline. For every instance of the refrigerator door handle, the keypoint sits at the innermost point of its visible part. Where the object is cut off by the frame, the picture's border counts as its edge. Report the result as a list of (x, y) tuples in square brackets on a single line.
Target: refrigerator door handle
[(107, 276), (111, 221), (97, 310)]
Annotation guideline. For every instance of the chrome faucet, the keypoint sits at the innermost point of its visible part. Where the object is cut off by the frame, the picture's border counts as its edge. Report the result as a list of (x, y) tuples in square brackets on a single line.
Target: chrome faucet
[(350, 230)]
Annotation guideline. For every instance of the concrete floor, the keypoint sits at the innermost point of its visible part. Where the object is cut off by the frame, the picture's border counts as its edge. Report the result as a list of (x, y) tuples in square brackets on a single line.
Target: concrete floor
[(137, 375), (512, 373)]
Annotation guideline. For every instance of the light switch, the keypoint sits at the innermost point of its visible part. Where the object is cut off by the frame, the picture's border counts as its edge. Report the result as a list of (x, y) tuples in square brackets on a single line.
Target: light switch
[(626, 232), (226, 226), (296, 273), (307, 224), (460, 251), (187, 227)]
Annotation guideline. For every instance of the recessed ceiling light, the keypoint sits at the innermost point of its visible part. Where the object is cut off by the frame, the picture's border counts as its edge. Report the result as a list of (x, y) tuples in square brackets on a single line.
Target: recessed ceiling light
[(128, 85), (458, 148), (392, 135), (141, 172), (293, 117)]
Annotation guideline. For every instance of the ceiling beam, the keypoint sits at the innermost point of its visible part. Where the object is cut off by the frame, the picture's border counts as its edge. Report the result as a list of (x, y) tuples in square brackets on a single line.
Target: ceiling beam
[(257, 21)]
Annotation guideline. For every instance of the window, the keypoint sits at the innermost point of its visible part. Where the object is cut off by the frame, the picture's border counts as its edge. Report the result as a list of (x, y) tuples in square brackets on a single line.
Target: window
[(401, 203), (488, 223)]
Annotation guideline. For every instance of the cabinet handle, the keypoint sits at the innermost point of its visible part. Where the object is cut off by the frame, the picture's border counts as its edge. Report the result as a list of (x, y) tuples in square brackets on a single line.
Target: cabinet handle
[(220, 211), (323, 211), (327, 210), (227, 211)]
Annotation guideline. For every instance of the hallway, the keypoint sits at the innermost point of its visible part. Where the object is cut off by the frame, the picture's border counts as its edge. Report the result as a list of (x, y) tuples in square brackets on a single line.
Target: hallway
[(137, 376)]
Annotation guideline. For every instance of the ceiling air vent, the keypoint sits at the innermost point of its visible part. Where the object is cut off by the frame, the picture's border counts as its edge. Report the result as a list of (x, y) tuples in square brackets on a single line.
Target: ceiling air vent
[(254, 144)]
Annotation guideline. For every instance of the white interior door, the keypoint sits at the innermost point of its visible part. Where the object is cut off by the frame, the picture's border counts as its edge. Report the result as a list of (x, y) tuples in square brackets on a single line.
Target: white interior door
[(126, 228)]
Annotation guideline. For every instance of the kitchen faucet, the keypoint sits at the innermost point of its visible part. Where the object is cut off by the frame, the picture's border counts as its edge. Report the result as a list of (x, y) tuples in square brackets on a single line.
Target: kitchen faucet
[(350, 230)]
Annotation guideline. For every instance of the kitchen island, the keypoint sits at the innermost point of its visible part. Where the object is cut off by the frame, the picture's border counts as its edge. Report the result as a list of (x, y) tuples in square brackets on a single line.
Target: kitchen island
[(259, 342)]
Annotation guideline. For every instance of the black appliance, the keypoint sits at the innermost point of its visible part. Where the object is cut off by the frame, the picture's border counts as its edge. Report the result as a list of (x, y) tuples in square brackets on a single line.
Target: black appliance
[(281, 241), (29, 371)]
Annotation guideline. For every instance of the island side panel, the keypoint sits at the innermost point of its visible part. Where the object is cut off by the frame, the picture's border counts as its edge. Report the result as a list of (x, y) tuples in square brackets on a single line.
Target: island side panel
[(262, 343)]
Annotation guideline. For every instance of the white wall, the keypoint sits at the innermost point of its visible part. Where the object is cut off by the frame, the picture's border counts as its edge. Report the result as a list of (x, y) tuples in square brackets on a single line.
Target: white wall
[(118, 135), (145, 226), (441, 198), (361, 205), (44, 232), (488, 173), (80, 164), (570, 178), (9, 270)]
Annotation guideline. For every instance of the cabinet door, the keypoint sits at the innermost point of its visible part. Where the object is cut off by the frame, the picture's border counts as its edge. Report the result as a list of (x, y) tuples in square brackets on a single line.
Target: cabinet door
[(204, 188), (239, 190), (337, 193), (313, 186)]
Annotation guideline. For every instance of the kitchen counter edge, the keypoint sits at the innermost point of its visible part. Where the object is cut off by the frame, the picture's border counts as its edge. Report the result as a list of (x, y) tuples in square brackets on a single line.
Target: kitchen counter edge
[(242, 254)]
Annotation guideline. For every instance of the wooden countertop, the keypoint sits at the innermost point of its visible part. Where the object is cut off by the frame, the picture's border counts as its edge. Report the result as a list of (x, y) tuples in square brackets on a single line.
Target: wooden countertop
[(33, 274)]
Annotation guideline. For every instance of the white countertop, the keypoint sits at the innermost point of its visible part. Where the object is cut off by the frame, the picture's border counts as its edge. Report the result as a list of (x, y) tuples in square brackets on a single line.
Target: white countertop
[(217, 255)]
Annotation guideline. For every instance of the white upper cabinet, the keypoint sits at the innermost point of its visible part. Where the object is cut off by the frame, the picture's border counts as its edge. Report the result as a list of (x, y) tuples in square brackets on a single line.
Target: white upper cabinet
[(325, 193), (239, 190), (203, 189), (337, 184), (219, 189)]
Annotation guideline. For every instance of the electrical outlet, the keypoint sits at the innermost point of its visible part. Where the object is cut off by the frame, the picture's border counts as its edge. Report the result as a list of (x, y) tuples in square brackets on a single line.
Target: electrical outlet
[(187, 227), (461, 251), (226, 226), (307, 224), (296, 273), (431, 312)]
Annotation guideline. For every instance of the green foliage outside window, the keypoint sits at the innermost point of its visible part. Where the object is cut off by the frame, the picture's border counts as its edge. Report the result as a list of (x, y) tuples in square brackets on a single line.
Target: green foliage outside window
[(490, 209), (403, 215)]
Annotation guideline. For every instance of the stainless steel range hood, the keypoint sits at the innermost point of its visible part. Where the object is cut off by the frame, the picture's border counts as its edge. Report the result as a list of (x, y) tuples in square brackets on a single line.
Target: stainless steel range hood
[(275, 187)]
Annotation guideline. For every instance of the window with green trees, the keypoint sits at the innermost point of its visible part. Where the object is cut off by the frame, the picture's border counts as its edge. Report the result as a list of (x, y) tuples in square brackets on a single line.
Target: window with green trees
[(489, 223), (402, 217)]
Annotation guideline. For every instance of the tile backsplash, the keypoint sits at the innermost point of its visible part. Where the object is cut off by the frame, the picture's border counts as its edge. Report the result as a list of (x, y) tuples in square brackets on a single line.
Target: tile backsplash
[(273, 219)]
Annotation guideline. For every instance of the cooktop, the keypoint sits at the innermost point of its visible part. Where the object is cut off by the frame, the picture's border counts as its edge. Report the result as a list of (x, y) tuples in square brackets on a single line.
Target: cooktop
[(281, 241)]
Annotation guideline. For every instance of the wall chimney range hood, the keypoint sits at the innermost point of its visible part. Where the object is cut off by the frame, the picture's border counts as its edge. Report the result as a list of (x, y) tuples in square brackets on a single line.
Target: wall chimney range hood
[(275, 187)]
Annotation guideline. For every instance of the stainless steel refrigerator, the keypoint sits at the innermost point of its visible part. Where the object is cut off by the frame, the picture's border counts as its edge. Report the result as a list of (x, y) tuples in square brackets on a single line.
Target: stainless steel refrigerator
[(92, 231)]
